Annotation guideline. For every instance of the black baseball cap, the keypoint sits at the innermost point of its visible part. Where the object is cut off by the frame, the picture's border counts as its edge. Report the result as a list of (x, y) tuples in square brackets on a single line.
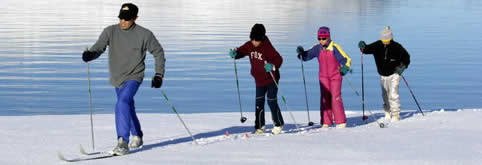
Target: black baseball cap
[(128, 11)]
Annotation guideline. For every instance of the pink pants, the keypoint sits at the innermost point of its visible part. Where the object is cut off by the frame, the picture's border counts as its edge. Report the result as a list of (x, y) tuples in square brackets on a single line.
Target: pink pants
[(331, 104)]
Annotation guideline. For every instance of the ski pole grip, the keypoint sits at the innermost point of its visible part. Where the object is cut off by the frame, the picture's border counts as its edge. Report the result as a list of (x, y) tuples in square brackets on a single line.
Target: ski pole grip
[(273, 69)]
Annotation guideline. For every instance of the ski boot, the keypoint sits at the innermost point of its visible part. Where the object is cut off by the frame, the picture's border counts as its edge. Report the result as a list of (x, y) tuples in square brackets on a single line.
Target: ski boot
[(325, 126), (259, 130), (277, 130), (135, 142), (388, 115), (396, 118), (341, 125), (121, 148)]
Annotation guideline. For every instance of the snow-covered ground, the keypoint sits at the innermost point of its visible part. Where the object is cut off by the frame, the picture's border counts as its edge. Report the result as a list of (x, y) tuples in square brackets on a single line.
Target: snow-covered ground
[(439, 137)]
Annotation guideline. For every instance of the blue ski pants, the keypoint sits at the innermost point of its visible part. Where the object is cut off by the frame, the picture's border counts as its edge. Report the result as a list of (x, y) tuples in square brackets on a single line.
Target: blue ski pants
[(126, 120)]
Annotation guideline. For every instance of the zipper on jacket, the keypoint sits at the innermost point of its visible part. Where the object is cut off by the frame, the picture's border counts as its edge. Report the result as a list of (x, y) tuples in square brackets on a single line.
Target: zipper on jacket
[(386, 54)]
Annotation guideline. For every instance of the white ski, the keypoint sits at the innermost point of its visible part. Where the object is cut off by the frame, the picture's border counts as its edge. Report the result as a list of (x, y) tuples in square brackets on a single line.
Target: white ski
[(86, 157), (92, 155)]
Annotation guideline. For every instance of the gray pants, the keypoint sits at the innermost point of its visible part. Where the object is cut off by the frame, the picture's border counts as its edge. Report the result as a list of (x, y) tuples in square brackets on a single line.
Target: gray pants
[(391, 97)]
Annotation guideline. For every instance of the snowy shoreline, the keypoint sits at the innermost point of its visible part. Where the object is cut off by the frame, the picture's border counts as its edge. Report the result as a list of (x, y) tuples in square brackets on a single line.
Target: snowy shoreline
[(439, 137)]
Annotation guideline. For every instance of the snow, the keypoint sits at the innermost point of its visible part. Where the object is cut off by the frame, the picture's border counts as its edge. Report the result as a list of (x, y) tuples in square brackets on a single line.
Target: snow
[(440, 137)]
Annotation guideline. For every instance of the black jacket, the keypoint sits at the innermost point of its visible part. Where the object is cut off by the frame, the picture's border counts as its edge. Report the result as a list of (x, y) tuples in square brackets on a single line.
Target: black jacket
[(388, 57)]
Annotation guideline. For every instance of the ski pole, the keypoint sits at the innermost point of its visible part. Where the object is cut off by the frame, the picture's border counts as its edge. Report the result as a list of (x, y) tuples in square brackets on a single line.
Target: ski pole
[(406, 83), (90, 106), (284, 100), (242, 119), (363, 89), (179, 117), (310, 123), (371, 114), (351, 85)]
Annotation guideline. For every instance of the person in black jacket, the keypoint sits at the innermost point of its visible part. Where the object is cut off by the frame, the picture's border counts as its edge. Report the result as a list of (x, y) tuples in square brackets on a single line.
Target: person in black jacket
[(391, 60)]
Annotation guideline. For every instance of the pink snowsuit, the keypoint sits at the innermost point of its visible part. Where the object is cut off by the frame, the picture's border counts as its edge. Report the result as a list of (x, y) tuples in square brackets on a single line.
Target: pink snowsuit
[(330, 59)]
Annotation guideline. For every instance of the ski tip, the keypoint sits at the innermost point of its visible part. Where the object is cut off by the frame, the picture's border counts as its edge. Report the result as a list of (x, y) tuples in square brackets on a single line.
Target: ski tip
[(60, 156), (82, 150)]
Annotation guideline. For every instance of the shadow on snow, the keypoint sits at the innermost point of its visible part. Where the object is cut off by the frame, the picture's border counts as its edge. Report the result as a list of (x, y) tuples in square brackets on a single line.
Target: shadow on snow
[(354, 121)]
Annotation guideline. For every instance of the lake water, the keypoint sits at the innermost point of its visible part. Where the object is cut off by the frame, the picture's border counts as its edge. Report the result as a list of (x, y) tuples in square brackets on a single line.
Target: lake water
[(41, 71)]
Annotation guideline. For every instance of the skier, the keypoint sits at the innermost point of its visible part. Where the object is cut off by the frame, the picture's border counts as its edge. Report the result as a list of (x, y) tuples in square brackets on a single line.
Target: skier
[(391, 60), (264, 59), (333, 64), (128, 43)]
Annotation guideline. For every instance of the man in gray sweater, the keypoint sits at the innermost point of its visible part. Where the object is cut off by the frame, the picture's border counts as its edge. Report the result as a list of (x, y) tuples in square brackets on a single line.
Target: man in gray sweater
[(128, 43)]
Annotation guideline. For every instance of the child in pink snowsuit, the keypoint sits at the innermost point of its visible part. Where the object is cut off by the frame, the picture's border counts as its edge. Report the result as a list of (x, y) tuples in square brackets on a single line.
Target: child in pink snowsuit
[(334, 63)]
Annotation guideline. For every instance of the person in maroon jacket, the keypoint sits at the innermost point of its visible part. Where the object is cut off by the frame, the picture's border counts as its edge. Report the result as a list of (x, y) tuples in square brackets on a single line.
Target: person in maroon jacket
[(264, 59)]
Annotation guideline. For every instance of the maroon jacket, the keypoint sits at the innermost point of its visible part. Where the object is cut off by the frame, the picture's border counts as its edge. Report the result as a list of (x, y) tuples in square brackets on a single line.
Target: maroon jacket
[(257, 55)]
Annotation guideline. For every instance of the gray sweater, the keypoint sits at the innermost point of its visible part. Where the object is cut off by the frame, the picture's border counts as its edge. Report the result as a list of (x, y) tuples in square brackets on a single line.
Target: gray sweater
[(127, 52)]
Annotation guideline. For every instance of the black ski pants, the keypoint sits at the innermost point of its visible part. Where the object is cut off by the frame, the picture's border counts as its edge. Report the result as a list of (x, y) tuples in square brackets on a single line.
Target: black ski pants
[(272, 92)]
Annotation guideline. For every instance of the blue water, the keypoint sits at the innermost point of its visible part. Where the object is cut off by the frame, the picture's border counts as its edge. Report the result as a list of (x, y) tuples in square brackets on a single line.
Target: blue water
[(41, 42)]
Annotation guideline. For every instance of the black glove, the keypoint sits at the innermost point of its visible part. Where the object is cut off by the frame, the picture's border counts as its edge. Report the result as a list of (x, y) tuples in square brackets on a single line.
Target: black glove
[(362, 44), (399, 69), (88, 56), (157, 81), (300, 51)]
